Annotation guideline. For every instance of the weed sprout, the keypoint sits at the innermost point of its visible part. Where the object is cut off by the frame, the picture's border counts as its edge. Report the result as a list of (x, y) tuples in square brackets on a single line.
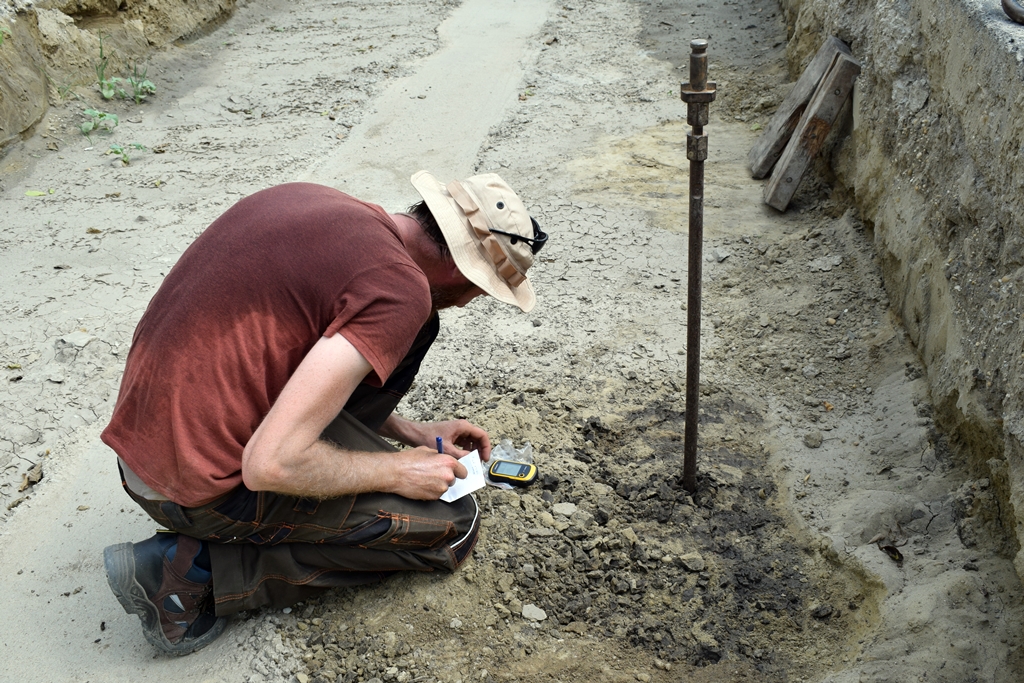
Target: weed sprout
[(97, 120), (122, 151), (141, 86)]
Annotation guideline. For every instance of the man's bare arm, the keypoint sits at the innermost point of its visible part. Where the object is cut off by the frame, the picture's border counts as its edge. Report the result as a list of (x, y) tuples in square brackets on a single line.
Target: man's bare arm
[(286, 455)]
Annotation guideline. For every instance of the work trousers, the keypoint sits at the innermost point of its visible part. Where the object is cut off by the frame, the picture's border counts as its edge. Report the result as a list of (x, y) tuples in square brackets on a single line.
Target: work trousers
[(268, 549)]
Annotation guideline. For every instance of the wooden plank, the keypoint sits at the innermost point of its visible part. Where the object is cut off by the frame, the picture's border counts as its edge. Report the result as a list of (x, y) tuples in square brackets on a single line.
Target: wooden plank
[(810, 133), (768, 148)]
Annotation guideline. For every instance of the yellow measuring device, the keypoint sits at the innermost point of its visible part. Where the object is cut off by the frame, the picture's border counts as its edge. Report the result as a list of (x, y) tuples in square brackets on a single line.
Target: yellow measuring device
[(514, 473)]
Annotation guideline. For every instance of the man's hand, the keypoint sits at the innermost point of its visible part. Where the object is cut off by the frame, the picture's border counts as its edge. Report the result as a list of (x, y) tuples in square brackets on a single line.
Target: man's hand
[(425, 474), (458, 436)]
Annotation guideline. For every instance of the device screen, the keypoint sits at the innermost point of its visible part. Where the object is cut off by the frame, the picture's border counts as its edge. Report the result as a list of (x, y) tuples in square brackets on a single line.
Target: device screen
[(511, 469)]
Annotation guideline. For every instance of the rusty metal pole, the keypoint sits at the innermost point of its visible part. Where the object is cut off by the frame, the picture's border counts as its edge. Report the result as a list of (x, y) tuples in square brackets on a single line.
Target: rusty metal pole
[(1014, 10), (698, 95)]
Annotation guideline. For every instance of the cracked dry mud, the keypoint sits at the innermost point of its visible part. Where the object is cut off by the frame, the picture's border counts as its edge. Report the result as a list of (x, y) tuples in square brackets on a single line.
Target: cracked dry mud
[(817, 438)]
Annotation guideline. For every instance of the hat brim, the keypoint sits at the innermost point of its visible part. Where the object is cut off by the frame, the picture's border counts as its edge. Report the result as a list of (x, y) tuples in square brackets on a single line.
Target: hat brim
[(468, 253)]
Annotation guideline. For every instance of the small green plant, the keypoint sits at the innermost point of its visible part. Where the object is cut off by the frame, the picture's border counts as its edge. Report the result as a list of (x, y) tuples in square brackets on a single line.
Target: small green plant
[(97, 120), (141, 86), (109, 87), (63, 89), (101, 66), (113, 86), (122, 151), (4, 33)]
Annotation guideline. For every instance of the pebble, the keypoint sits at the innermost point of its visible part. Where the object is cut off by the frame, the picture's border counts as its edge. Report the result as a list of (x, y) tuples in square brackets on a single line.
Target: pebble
[(822, 611), (534, 613), (301, 677), (825, 264), (54, 374), (693, 562), (813, 439), (455, 623), (564, 509), (582, 518), (77, 339)]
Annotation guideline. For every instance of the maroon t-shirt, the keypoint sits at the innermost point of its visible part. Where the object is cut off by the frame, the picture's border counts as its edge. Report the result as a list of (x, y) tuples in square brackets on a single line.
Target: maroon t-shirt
[(237, 314)]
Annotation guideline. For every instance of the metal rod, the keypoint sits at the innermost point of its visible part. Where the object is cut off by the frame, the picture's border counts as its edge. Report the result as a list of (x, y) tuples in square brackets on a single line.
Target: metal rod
[(698, 94), (1014, 10)]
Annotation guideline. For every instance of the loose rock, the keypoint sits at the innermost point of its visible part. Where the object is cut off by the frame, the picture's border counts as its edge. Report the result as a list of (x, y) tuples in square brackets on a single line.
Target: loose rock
[(822, 611), (534, 613), (564, 509), (813, 439), (693, 562)]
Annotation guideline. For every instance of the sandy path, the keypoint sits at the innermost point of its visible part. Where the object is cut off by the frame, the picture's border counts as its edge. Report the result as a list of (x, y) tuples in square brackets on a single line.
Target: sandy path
[(51, 550), (586, 125), (436, 117)]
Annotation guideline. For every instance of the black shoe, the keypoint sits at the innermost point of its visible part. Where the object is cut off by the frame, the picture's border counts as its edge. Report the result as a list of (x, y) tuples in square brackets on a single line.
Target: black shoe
[(177, 614)]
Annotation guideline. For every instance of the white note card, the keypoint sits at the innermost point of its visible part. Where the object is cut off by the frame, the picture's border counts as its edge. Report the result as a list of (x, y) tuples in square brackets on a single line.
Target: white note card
[(473, 481)]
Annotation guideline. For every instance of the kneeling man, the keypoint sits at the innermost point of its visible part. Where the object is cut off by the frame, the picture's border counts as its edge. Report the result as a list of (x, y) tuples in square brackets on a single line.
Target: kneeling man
[(261, 379)]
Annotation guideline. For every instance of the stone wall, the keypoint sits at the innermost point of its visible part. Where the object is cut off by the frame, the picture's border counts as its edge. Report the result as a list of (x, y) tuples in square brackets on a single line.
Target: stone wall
[(935, 163), (52, 47)]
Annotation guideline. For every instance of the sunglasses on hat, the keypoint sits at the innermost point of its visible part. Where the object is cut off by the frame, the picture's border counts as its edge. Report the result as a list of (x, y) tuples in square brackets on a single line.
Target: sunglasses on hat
[(539, 239)]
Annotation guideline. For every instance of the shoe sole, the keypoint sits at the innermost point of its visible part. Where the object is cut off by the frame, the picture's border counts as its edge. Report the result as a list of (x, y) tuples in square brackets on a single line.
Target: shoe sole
[(119, 561)]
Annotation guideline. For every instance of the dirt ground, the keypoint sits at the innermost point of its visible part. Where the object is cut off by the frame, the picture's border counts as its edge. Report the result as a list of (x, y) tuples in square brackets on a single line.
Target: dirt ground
[(818, 446)]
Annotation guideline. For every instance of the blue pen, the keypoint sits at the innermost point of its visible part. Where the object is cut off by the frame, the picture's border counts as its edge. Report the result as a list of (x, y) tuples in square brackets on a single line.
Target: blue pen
[(440, 448)]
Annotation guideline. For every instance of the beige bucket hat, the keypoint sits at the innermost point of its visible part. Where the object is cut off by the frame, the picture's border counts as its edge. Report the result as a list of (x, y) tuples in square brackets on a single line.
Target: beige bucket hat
[(490, 234)]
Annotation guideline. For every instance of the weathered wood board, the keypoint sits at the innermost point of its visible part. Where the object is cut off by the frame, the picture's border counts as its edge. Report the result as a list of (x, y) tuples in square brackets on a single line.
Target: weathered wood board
[(810, 133), (768, 148)]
